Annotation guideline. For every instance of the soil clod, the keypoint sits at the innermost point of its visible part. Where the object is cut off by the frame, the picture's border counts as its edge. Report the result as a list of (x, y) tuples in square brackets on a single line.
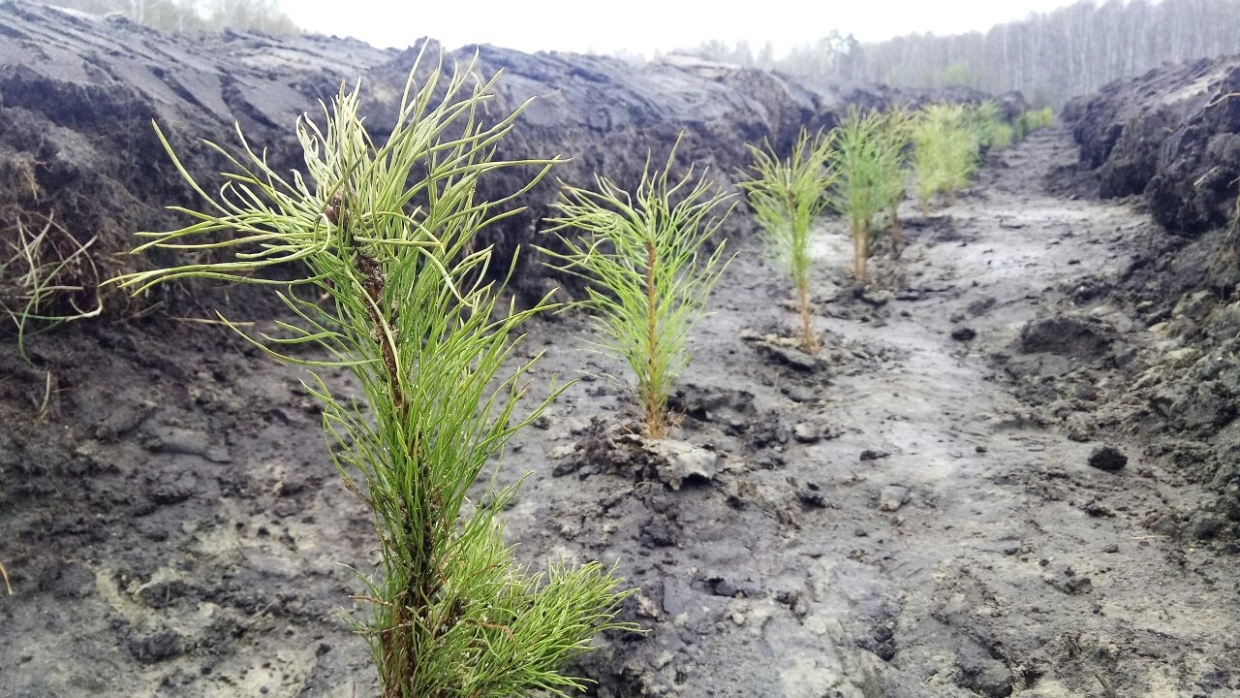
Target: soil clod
[(964, 334), (1107, 458)]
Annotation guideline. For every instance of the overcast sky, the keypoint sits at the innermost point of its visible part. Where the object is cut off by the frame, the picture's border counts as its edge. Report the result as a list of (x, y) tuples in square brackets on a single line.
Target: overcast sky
[(646, 25)]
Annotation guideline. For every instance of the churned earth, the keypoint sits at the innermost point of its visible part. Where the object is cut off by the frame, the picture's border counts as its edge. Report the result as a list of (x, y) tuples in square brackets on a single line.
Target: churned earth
[(897, 516)]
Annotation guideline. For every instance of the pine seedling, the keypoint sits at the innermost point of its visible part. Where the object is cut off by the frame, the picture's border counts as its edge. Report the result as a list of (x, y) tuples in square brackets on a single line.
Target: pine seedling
[(1001, 136), (927, 158), (894, 136), (389, 234), (945, 152), (859, 155), (1031, 121), (650, 271), (1020, 129), (959, 150), (787, 196), (992, 132)]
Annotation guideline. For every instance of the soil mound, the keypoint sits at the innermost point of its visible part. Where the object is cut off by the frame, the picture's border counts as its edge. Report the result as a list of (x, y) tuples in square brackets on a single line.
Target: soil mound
[(1171, 135), (1065, 335), (78, 94), (1148, 355)]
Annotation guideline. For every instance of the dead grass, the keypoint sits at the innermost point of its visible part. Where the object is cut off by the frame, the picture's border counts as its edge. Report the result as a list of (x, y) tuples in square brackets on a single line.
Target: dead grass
[(46, 276)]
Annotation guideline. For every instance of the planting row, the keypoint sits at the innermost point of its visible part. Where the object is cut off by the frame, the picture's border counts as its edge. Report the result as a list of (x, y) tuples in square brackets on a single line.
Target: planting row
[(861, 169)]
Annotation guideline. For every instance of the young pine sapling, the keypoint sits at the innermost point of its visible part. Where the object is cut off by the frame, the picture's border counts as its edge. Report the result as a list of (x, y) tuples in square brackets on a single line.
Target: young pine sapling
[(388, 232), (893, 137), (650, 271), (857, 155), (945, 152), (993, 131), (787, 196), (926, 159), (1031, 121)]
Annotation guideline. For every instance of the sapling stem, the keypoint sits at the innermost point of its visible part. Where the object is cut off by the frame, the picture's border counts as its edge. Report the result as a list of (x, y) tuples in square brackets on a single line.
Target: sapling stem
[(808, 340), (656, 420)]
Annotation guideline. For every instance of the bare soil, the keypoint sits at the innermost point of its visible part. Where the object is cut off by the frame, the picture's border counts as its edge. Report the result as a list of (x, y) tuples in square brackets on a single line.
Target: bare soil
[(897, 517)]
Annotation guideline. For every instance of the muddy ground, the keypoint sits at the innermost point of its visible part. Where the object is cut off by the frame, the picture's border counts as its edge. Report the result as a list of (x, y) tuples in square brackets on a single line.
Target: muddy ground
[(901, 517)]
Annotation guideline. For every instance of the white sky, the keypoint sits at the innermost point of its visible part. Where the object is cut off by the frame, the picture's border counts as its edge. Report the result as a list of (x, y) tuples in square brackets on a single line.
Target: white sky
[(643, 26)]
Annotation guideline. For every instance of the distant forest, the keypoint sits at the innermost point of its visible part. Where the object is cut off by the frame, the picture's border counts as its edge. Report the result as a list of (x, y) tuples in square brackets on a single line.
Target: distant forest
[(193, 16), (1050, 57)]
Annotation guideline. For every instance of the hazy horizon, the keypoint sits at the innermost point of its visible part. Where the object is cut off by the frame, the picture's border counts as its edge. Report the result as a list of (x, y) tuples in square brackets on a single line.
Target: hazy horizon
[(646, 26)]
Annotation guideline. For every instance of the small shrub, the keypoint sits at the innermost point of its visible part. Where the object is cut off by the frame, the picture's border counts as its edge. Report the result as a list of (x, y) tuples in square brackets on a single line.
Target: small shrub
[(650, 269), (787, 196), (388, 233)]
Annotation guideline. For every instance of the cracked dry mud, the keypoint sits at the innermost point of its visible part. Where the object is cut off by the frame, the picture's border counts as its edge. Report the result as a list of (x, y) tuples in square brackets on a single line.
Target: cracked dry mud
[(890, 521)]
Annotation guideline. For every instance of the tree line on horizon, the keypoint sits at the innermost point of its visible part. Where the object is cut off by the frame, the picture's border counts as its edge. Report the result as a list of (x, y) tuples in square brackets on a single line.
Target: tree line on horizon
[(194, 16), (1050, 57)]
